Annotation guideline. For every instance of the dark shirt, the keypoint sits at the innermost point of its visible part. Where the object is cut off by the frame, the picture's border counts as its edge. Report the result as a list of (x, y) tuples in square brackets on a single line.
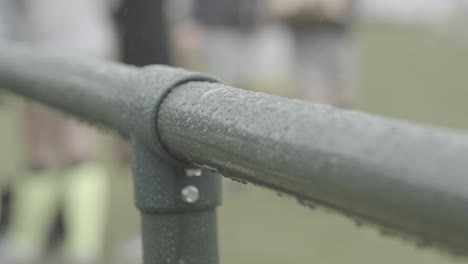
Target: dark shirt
[(144, 34), (241, 14)]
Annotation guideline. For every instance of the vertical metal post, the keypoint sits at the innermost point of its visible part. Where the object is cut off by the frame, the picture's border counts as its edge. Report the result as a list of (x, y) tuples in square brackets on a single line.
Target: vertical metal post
[(178, 208)]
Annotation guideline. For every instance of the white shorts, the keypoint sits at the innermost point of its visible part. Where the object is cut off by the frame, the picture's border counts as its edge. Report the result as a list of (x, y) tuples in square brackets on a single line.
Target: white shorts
[(238, 57), (324, 58), (313, 58)]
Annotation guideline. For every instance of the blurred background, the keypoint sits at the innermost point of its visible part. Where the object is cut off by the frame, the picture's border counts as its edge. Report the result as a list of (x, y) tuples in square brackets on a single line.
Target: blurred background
[(67, 191)]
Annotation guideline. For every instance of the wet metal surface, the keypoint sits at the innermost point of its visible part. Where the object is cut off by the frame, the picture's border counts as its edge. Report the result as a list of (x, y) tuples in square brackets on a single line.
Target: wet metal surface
[(178, 211), (400, 176), (120, 97), (397, 175)]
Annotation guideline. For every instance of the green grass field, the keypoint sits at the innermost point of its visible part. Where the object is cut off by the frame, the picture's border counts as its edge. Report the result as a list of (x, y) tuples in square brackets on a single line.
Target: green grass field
[(410, 73)]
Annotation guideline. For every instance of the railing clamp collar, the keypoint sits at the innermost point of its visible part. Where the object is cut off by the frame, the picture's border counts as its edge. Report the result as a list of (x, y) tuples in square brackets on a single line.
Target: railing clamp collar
[(155, 83)]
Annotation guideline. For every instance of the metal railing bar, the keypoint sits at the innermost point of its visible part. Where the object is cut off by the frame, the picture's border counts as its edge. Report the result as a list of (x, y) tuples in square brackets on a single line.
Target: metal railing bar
[(401, 176)]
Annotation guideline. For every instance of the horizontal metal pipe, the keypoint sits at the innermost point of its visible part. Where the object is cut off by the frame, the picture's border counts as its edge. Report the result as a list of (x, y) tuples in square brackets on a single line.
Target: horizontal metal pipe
[(403, 177), (91, 90)]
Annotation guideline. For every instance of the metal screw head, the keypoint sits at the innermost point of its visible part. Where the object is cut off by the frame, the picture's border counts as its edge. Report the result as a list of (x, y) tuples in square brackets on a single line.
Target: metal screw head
[(190, 194), (193, 172)]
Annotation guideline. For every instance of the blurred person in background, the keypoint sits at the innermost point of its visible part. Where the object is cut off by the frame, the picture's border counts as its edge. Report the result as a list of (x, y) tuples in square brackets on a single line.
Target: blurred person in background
[(215, 36), (60, 169), (228, 39), (323, 53), (266, 45)]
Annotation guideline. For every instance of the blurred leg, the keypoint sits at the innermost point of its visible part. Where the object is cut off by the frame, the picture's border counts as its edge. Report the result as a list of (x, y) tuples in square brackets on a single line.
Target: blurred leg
[(85, 193), (269, 61), (35, 194), (324, 65), (34, 208), (222, 53), (42, 130), (85, 211), (77, 142)]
